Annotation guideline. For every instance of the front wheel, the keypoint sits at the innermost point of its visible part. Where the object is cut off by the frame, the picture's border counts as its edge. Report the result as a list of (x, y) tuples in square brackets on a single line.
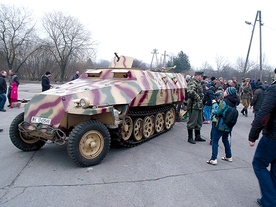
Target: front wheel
[(23, 140), (88, 143)]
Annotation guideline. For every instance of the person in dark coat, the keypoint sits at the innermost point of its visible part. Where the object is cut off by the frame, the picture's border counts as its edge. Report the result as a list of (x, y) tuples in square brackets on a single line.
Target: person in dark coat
[(207, 102), (212, 81), (3, 90), (258, 97), (76, 76), (253, 85), (265, 154), (45, 81)]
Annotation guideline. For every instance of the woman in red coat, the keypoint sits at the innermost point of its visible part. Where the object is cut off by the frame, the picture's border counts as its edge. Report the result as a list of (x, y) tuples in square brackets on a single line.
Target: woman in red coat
[(14, 94)]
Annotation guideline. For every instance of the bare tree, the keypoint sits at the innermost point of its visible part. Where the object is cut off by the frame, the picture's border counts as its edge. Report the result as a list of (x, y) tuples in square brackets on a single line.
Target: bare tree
[(221, 63), (38, 63), (240, 63), (68, 39), (17, 36), (206, 66), (140, 64)]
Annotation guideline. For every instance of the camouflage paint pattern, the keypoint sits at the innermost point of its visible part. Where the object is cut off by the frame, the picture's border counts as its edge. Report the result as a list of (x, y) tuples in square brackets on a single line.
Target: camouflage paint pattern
[(106, 88)]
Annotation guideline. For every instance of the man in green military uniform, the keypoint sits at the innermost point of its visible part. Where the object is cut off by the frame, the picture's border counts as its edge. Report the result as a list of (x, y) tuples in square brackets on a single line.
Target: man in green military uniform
[(246, 95), (195, 107)]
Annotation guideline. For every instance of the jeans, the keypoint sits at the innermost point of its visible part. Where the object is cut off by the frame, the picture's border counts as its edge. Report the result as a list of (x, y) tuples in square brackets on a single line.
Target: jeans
[(207, 112), (213, 129), (266, 154), (215, 139), (2, 100)]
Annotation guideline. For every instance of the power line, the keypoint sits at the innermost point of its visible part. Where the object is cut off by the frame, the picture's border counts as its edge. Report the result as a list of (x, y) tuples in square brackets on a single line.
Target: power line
[(269, 27)]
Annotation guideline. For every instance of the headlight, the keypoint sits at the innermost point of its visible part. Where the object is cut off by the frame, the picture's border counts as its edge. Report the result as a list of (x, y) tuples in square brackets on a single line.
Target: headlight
[(84, 103)]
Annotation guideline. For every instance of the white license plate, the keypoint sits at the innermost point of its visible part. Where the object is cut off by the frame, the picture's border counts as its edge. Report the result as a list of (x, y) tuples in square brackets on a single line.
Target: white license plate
[(36, 119)]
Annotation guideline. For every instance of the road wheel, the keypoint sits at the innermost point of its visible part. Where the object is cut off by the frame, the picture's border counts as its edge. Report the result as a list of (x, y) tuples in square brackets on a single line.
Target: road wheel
[(159, 122), (148, 126), (21, 139), (88, 143), (138, 129), (170, 118), (127, 128)]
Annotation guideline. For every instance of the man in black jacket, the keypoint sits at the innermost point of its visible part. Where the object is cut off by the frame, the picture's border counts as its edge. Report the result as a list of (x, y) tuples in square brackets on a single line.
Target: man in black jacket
[(3, 90), (258, 98), (45, 82), (265, 154), (76, 76)]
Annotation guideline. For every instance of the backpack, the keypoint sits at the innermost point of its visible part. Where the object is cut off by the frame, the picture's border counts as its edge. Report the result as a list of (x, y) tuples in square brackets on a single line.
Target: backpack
[(231, 116)]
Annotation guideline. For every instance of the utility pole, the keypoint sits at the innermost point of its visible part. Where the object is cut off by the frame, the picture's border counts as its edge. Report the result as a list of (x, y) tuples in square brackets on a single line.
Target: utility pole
[(261, 54), (260, 24), (154, 53), (165, 59)]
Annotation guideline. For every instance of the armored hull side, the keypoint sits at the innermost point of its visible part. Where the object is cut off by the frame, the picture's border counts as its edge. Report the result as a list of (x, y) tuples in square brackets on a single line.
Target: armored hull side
[(138, 88), (130, 104)]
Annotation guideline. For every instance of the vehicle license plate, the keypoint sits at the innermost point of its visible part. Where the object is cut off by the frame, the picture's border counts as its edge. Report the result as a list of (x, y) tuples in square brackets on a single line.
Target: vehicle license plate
[(36, 119)]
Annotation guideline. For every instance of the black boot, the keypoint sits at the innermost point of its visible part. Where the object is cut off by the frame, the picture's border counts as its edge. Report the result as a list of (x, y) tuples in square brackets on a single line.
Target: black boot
[(245, 113), (242, 111), (198, 137), (190, 136)]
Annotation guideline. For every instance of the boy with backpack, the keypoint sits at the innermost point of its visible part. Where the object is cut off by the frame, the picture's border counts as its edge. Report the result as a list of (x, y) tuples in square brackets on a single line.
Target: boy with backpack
[(214, 118), (227, 117)]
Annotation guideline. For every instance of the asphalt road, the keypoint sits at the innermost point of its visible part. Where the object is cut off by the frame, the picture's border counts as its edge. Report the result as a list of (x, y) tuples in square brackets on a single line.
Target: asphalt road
[(165, 171)]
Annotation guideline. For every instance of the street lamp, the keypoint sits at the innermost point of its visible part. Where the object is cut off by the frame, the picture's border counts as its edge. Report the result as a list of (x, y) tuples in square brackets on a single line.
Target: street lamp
[(260, 24)]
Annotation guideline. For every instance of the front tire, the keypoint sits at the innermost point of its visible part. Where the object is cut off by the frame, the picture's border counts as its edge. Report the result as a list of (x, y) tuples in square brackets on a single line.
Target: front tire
[(88, 143), (22, 140)]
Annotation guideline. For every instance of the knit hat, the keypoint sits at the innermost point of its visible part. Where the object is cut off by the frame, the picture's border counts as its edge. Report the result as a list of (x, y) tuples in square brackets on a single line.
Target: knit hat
[(48, 73), (231, 90)]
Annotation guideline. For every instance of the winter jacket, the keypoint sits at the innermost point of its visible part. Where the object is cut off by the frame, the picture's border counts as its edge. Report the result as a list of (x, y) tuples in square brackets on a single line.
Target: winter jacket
[(14, 91), (195, 95), (209, 96), (45, 83), (265, 121), (76, 76), (220, 110), (214, 117), (258, 97), (3, 85)]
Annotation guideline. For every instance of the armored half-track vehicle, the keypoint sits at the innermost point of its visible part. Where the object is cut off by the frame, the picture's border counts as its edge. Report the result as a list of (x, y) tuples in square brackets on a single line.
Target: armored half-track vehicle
[(120, 104)]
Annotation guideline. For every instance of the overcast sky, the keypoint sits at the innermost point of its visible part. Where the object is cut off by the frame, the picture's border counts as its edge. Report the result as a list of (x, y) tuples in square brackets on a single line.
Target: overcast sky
[(202, 29)]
